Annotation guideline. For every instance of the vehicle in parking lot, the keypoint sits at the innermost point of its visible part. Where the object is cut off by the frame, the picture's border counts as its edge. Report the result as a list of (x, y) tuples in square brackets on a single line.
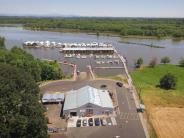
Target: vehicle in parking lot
[(78, 124), (97, 121), (84, 122), (119, 84), (103, 122), (103, 86), (90, 121)]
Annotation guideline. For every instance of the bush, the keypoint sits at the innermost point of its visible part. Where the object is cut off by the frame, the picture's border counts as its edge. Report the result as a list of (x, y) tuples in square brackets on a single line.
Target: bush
[(139, 62), (2, 42), (153, 63), (168, 81), (181, 62), (165, 60)]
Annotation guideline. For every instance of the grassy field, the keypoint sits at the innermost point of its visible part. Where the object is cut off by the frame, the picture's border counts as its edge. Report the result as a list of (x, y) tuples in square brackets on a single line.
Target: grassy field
[(164, 107), (147, 80)]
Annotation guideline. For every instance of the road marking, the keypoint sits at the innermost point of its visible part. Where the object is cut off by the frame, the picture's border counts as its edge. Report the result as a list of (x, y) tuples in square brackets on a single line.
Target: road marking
[(127, 101), (113, 120), (129, 116)]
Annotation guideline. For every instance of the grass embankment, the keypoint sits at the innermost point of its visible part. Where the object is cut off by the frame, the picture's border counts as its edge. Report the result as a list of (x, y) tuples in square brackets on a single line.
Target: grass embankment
[(147, 80), (161, 104)]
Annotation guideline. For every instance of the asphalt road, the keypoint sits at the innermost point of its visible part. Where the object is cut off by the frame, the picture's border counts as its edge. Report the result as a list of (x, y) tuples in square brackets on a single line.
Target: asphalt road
[(128, 122)]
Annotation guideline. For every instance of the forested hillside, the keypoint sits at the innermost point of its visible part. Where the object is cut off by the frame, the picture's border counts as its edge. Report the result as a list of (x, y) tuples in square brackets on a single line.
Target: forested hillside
[(123, 26)]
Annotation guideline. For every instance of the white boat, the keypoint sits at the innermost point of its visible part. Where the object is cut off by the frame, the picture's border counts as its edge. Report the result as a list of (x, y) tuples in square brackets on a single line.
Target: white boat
[(68, 55), (110, 62), (114, 56), (116, 61), (83, 56), (78, 56), (98, 62), (97, 56), (103, 62)]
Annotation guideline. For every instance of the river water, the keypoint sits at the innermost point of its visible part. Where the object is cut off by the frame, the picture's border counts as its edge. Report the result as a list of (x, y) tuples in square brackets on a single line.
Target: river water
[(17, 35)]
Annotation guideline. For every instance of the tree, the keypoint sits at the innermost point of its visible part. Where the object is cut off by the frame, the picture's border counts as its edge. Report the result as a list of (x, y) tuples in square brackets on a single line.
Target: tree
[(153, 63), (165, 60), (21, 114), (139, 62), (2, 42), (181, 62), (168, 81), (39, 70), (50, 71)]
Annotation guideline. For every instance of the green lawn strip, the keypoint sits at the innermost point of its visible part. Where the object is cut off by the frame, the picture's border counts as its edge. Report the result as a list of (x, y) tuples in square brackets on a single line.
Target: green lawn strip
[(147, 80)]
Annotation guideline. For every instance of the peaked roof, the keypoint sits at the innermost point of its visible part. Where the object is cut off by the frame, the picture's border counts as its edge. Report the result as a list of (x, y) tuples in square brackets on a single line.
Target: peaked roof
[(85, 95)]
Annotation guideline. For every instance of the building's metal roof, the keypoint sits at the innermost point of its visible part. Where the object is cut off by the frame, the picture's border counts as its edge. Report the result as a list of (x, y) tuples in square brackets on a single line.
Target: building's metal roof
[(85, 95), (56, 97)]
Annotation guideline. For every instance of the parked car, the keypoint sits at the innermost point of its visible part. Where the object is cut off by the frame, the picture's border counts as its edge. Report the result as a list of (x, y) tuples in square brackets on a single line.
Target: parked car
[(84, 122), (119, 84), (78, 124), (103, 86), (103, 122), (90, 121), (97, 121)]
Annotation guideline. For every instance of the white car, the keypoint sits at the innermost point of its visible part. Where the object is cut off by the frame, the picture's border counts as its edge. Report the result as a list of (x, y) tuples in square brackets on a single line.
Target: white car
[(103, 122)]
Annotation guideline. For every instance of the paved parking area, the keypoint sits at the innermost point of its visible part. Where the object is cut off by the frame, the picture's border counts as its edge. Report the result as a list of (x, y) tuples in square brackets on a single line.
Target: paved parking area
[(128, 122), (111, 121)]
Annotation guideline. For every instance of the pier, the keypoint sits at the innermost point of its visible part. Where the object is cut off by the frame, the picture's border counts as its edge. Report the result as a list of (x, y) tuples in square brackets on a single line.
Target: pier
[(109, 67)]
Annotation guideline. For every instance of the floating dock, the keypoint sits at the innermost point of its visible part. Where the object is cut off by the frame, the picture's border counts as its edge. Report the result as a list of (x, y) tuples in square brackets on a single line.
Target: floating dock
[(87, 50), (73, 48)]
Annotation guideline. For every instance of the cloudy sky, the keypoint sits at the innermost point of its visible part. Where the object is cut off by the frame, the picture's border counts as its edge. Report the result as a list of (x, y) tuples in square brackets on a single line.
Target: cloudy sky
[(115, 8)]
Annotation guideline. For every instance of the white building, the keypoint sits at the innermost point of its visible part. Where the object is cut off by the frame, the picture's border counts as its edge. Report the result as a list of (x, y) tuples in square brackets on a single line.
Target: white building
[(87, 101), (53, 98)]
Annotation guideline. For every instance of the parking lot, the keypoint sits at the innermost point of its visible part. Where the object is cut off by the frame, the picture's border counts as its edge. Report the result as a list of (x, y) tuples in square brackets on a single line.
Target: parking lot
[(127, 123), (91, 121)]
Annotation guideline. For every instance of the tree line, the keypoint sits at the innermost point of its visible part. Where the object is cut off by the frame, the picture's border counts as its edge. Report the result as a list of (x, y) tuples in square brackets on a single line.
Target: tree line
[(169, 80), (21, 113), (39, 70), (123, 26)]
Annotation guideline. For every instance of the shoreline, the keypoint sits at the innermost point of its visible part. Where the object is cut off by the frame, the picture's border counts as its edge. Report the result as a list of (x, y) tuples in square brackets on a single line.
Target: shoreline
[(91, 32)]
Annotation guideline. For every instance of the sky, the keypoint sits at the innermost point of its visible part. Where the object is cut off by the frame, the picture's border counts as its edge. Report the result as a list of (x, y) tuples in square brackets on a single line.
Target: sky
[(102, 8)]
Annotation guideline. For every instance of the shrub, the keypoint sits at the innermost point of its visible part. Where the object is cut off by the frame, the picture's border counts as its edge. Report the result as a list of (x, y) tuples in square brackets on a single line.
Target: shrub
[(181, 62), (168, 81), (139, 62), (153, 63), (165, 60)]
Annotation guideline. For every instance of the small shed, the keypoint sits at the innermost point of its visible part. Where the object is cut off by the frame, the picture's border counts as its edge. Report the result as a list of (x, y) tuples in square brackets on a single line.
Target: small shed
[(53, 98)]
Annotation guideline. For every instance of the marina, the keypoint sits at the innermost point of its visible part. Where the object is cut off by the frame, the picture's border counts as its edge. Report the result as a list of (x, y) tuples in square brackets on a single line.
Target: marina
[(17, 36), (67, 48)]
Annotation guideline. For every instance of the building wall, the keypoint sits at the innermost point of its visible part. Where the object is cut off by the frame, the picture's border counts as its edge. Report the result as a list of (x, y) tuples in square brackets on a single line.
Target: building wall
[(97, 110)]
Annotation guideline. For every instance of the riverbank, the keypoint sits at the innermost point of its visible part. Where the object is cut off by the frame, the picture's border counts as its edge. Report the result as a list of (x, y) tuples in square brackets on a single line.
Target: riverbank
[(103, 33), (159, 101)]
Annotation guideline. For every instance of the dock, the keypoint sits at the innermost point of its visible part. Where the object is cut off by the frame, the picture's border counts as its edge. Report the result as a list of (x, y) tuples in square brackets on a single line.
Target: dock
[(109, 67)]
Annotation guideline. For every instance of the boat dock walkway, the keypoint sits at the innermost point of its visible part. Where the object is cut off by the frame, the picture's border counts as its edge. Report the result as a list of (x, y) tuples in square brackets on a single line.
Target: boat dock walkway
[(109, 67), (91, 72)]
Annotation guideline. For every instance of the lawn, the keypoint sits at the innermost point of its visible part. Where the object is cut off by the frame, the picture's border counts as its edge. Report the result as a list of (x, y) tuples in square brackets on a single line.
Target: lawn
[(147, 80)]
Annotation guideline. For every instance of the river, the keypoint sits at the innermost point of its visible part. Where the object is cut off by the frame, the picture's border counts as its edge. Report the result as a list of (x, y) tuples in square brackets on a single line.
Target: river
[(17, 35)]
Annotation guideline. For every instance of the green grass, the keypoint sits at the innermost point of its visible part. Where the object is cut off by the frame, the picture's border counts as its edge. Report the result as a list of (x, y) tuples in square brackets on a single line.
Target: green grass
[(147, 80)]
